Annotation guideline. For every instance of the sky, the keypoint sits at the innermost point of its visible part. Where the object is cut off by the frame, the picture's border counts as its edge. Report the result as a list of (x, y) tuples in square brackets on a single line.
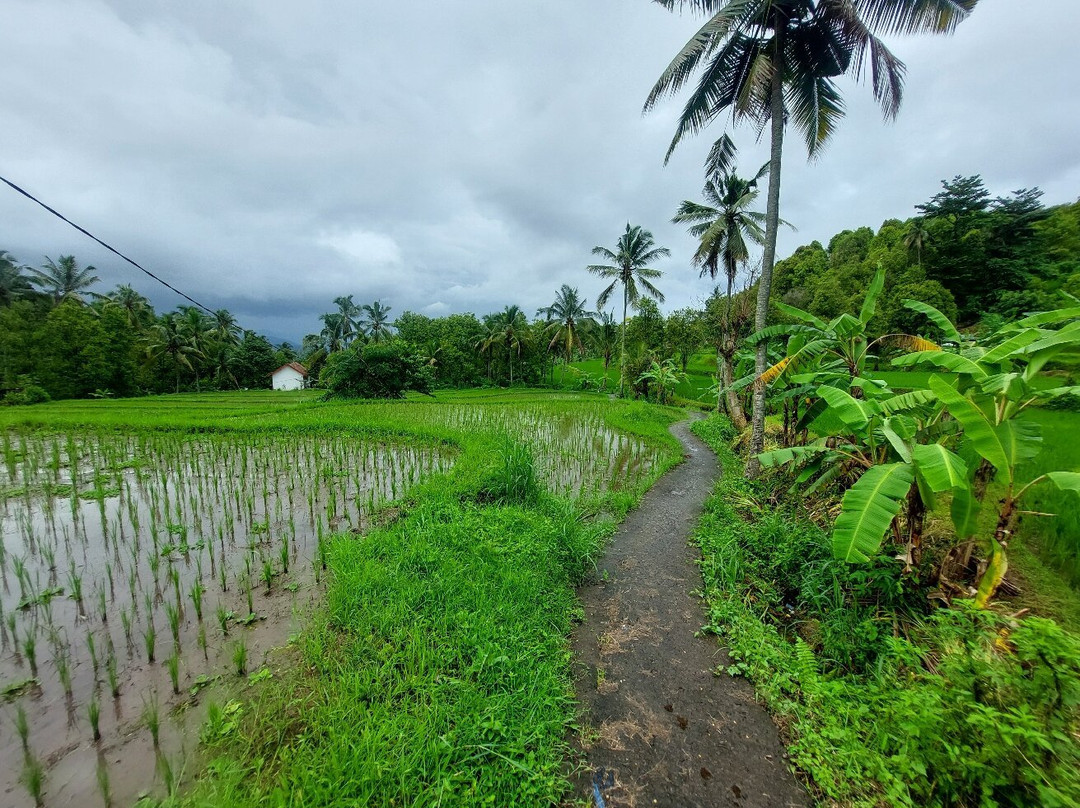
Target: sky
[(268, 156)]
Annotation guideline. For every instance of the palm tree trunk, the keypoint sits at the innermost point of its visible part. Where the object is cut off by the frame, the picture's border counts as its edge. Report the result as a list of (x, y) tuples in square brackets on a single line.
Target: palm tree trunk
[(734, 406), (772, 222), (622, 343)]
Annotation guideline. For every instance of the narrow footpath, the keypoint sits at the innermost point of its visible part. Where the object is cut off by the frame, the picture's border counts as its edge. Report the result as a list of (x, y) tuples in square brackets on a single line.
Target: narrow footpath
[(660, 728)]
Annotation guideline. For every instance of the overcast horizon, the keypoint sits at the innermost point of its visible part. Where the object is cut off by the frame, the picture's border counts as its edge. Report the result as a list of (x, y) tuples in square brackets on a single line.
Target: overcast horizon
[(267, 157)]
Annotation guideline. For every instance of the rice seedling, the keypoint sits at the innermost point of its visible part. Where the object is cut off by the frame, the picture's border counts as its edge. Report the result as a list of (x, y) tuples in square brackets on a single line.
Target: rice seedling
[(113, 676), (151, 718), (223, 619), (196, 594), (149, 640), (22, 729), (240, 655), (173, 665), (30, 650), (91, 649), (33, 778), (125, 621), (172, 615), (93, 712), (104, 789), (267, 575), (63, 672)]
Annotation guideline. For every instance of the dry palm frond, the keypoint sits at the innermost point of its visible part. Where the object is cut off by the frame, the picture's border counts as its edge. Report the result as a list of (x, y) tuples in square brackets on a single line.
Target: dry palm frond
[(913, 343), (773, 373)]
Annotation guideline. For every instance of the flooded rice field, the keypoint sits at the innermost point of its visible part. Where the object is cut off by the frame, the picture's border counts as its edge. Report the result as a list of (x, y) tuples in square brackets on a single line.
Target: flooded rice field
[(147, 575), (139, 569)]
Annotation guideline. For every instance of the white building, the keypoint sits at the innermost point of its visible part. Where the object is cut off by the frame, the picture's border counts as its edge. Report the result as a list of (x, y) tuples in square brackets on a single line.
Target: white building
[(292, 376)]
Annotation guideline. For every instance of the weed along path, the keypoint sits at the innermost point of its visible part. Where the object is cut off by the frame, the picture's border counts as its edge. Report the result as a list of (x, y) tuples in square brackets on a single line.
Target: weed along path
[(660, 728)]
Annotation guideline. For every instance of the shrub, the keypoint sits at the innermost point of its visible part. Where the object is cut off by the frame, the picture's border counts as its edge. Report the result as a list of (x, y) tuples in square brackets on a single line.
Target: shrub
[(26, 393), (375, 370)]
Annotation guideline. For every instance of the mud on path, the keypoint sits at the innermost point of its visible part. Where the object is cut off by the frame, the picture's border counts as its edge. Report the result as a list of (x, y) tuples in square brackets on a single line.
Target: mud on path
[(659, 727)]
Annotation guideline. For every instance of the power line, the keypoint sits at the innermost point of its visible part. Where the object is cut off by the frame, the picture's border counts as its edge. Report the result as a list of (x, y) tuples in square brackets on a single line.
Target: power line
[(108, 247)]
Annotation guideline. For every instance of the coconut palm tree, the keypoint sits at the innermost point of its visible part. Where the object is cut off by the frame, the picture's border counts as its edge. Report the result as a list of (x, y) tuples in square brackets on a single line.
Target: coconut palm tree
[(224, 328), (333, 331), (374, 321), (915, 237), (633, 253), (169, 339), (64, 279), (508, 330), (136, 307), (566, 317), (13, 284), (350, 318), (768, 62), (606, 341), (725, 227)]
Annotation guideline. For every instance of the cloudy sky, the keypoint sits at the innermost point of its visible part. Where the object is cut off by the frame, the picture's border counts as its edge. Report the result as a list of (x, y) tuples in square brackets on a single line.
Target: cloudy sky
[(267, 156)]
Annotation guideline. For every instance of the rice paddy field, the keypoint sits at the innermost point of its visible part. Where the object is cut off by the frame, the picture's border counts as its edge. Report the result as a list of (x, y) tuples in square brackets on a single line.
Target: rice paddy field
[(268, 599)]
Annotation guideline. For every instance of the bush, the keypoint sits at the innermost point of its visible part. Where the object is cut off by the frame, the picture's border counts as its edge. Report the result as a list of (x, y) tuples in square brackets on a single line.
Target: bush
[(514, 478), (375, 370), (27, 393)]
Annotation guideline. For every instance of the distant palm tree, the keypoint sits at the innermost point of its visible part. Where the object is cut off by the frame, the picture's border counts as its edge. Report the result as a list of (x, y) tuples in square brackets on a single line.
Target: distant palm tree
[(916, 236), (13, 284), (350, 318), (567, 316), (772, 62), (508, 330), (629, 267), (724, 225), (333, 331), (134, 305), (197, 328), (169, 340), (64, 279), (606, 341), (224, 328), (374, 320)]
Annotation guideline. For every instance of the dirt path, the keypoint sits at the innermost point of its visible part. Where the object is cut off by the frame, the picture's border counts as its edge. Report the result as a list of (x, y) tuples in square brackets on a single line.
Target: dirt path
[(662, 729)]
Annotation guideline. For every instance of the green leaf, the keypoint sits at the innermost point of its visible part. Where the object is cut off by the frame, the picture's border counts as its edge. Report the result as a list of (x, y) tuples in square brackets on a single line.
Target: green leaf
[(799, 314), (889, 430), (942, 469), (937, 318), (781, 457), (942, 359), (906, 401), (965, 511), (1065, 480), (872, 294), (1049, 317), (868, 509), (846, 326), (846, 408), (977, 428), (1009, 347), (1022, 440)]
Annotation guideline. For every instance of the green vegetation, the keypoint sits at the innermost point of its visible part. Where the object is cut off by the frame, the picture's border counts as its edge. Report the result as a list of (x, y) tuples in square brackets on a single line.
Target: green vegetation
[(886, 700)]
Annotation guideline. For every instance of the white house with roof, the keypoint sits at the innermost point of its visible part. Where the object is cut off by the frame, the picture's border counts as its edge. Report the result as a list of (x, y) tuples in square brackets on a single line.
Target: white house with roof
[(292, 376)]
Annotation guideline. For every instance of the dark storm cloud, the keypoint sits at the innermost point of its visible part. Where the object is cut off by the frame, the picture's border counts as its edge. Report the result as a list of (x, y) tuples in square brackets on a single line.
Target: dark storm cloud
[(269, 156)]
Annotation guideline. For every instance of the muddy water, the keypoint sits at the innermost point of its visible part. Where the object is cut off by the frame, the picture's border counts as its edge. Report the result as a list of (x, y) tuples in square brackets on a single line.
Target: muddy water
[(113, 544)]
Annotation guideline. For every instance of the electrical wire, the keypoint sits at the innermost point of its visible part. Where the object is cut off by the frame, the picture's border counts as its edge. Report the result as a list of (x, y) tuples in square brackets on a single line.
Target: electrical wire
[(108, 247)]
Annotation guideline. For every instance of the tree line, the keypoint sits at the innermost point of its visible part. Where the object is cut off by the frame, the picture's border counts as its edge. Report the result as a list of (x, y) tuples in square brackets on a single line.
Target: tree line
[(61, 339)]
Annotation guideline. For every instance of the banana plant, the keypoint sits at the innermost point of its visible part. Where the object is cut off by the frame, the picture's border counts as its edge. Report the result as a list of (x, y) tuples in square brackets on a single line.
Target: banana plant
[(986, 390), (833, 352), (894, 445)]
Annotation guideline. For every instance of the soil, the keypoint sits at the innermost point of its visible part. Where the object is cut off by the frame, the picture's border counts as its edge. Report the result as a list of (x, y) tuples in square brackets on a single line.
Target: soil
[(660, 726)]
